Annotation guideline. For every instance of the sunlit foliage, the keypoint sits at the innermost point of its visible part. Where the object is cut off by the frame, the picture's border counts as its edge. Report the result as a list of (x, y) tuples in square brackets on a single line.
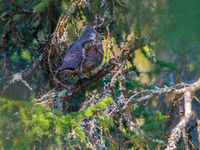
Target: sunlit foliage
[(171, 33)]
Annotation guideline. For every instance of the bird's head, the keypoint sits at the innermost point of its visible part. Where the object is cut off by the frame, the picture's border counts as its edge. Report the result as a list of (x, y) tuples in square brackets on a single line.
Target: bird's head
[(97, 22), (91, 29)]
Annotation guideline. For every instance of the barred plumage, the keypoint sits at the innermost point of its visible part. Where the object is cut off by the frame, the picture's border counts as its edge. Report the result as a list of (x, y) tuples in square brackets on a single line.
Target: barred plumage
[(86, 53)]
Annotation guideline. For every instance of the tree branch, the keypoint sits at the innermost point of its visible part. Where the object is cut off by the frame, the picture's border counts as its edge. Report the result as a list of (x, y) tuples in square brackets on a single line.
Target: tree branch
[(176, 132)]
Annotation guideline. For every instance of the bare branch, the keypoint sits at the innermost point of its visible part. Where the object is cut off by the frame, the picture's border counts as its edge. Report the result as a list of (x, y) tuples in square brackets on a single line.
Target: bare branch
[(198, 129), (15, 78), (176, 132)]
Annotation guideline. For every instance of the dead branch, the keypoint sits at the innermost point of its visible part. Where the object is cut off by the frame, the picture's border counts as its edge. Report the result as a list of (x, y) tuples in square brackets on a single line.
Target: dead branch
[(198, 129), (12, 13), (15, 78), (176, 132)]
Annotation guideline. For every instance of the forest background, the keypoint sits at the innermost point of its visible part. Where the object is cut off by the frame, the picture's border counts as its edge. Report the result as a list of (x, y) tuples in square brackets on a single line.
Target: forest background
[(137, 99)]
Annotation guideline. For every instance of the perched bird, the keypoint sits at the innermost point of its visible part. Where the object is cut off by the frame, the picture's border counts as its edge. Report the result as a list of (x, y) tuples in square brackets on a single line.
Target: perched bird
[(86, 53)]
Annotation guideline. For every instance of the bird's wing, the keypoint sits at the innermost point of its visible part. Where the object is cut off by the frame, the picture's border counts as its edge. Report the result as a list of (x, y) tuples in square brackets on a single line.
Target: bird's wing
[(93, 54), (72, 59), (93, 49), (70, 46)]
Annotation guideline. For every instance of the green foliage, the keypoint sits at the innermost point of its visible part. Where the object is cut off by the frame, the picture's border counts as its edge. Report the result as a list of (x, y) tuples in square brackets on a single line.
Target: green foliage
[(164, 64), (42, 5), (26, 55), (170, 29), (140, 84), (36, 124), (101, 105), (25, 126), (155, 122)]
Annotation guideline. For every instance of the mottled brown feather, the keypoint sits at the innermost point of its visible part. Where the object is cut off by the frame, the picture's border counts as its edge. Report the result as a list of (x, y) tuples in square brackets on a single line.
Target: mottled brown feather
[(93, 52), (85, 54)]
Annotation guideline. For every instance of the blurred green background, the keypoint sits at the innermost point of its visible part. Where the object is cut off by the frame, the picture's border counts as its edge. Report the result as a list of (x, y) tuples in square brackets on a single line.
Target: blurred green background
[(172, 32)]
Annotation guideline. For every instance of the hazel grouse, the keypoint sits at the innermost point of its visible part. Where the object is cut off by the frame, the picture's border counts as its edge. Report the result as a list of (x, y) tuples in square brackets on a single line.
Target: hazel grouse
[(86, 53)]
